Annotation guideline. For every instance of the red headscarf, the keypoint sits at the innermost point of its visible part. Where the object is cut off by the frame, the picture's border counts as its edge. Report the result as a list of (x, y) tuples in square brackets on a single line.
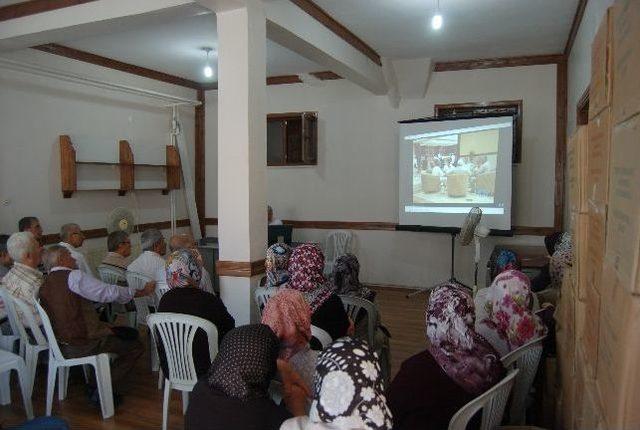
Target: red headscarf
[(305, 274), (289, 316)]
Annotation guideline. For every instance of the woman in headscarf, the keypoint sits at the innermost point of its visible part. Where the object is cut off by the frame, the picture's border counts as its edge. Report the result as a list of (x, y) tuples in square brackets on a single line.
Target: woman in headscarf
[(234, 395), (506, 260), (276, 263), (348, 392), (345, 278), (184, 272), (457, 366), (289, 316), (305, 275), (509, 323), (561, 260)]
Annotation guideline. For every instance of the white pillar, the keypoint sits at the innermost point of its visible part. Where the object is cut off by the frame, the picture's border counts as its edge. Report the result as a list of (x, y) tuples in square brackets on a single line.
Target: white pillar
[(242, 155)]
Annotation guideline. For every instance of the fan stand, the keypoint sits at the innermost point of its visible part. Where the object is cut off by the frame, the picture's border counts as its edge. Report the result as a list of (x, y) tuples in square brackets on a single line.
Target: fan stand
[(452, 279)]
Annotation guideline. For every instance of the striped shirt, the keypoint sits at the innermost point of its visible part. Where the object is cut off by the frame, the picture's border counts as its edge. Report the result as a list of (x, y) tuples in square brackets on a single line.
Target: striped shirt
[(24, 283)]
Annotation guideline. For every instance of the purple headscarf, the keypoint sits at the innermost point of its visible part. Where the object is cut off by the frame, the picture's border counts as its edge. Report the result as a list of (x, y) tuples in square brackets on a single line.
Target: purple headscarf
[(464, 355)]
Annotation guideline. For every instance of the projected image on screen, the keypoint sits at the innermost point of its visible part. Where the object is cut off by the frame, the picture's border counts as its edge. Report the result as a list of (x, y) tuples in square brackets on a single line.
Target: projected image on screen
[(448, 166), (455, 168)]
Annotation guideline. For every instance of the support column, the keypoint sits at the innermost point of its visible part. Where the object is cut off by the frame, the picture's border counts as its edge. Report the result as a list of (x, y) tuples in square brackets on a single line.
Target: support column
[(242, 155)]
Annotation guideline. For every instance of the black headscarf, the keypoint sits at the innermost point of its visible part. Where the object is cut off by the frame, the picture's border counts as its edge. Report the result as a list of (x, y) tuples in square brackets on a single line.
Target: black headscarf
[(246, 362)]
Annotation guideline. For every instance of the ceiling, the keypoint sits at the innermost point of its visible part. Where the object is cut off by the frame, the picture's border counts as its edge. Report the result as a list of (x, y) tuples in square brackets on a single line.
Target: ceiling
[(172, 43), (472, 28)]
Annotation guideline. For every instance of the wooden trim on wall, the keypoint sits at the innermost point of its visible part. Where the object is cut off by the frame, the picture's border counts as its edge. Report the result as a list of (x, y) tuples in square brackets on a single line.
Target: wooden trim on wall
[(98, 60), (240, 269), (200, 172), (342, 225), (283, 79), (533, 231), (338, 29), (326, 75), (211, 221), (492, 63), (561, 142), (575, 26), (32, 7), (97, 233)]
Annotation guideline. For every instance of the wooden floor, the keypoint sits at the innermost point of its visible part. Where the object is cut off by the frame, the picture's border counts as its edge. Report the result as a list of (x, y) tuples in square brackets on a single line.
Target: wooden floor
[(142, 406)]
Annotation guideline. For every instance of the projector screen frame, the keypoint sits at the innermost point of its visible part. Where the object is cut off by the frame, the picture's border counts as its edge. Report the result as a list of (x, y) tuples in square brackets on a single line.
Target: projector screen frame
[(451, 230)]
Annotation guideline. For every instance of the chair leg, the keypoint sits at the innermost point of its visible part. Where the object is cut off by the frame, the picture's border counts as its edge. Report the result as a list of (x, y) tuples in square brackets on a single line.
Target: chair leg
[(153, 351), (160, 378), (31, 361), (103, 380), (51, 384), (165, 404), (185, 402), (63, 382), (24, 387), (5, 387)]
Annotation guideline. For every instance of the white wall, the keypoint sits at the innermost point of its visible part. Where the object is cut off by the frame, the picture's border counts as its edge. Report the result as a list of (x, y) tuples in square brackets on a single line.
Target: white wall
[(356, 178), (35, 110)]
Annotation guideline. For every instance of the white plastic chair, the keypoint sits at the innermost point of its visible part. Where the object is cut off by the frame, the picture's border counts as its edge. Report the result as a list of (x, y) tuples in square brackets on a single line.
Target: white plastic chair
[(338, 243), (8, 362), (31, 350), (137, 281), (353, 306), (59, 365), (116, 276), (526, 360), (176, 333), (262, 296), (492, 403), (323, 337), (160, 290), (10, 341)]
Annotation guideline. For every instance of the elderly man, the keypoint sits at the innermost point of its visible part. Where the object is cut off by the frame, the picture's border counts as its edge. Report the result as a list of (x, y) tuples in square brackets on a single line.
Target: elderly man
[(119, 247), (66, 295), (72, 239), (32, 225), (24, 279), (5, 259), (151, 261), (186, 241)]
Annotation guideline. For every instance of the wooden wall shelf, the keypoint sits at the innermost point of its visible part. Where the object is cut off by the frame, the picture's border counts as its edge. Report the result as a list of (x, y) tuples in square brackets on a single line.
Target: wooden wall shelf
[(126, 166)]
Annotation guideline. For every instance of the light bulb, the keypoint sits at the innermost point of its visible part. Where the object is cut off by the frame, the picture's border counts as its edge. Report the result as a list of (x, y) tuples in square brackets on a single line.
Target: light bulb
[(436, 21), (208, 71)]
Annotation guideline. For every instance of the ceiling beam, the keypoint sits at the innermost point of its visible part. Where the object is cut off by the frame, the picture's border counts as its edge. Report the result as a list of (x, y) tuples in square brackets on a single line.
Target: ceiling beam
[(300, 32), (492, 63), (575, 26), (340, 30), (32, 7), (110, 63)]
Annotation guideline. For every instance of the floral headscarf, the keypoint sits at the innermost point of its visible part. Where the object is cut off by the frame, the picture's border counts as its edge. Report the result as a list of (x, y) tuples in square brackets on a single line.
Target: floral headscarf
[(348, 391), (509, 313), (276, 263), (561, 259), (183, 268), (305, 274), (464, 355), (344, 278), (246, 362), (289, 316)]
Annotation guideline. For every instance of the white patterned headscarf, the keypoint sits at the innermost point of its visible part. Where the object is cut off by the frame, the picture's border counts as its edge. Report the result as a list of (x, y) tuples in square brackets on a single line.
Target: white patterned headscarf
[(348, 391)]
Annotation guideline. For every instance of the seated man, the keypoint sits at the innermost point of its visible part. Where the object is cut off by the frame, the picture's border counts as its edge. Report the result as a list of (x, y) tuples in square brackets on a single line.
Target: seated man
[(5, 259), (72, 239), (183, 277), (24, 279), (151, 262), (185, 241), (119, 250), (66, 295), (32, 225)]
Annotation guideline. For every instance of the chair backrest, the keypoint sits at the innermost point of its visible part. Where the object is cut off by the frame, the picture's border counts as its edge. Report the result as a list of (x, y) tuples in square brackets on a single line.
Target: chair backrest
[(176, 332), (160, 290), (111, 274), (32, 323), (14, 321), (353, 305), (526, 360), (338, 243), (323, 337), (262, 296), (48, 330), (137, 281), (492, 402)]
